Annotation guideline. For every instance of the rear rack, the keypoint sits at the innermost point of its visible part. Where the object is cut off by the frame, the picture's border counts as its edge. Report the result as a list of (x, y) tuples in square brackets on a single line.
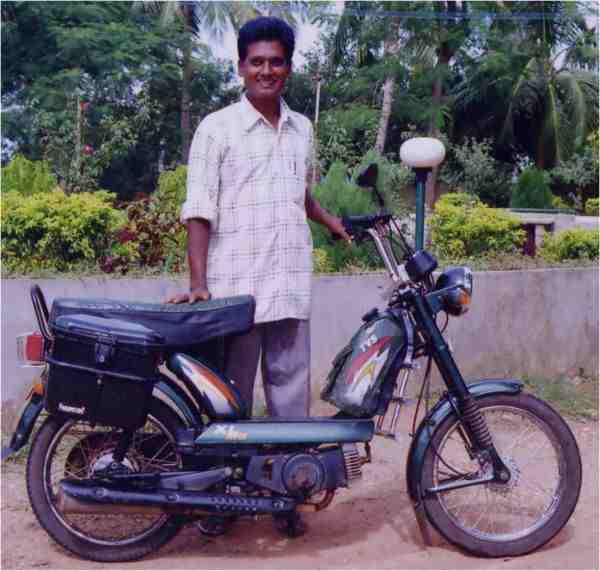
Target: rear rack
[(41, 312)]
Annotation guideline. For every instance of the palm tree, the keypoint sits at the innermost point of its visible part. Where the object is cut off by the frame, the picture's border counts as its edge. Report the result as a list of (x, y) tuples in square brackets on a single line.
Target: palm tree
[(532, 88)]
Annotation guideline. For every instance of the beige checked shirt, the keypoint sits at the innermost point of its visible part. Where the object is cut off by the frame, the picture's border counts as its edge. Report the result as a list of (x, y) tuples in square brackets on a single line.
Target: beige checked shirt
[(249, 180)]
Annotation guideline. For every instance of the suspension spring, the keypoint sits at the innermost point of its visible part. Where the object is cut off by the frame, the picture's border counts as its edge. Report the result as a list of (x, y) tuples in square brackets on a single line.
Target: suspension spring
[(474, 419)]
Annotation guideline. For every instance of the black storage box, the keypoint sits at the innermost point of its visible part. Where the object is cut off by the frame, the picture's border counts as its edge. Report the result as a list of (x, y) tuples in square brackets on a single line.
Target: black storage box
[(102, 370)]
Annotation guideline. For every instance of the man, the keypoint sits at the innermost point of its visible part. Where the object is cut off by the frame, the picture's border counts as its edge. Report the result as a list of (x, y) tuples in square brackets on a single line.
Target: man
[(246, 212)]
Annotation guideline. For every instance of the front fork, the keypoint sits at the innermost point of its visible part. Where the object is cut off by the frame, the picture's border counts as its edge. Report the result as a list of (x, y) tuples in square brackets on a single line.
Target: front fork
[(467, 410)]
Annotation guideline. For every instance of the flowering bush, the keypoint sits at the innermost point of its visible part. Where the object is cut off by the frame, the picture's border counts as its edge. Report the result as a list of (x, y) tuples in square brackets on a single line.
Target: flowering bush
[(153, 236)]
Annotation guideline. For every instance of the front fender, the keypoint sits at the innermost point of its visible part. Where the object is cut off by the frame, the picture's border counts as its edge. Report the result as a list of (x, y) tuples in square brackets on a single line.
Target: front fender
[(443, 409)]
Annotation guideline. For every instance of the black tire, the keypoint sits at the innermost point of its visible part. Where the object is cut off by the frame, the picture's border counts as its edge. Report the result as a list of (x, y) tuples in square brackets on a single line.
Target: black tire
[(83, 534), (493, 520)]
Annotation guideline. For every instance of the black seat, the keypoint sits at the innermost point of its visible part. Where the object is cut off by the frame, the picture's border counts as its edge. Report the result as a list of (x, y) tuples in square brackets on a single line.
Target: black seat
[(179, 324)]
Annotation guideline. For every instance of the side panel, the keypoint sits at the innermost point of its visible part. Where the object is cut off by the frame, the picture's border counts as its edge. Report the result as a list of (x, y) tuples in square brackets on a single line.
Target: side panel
[(420, 443), (218, 397), (309, 431)]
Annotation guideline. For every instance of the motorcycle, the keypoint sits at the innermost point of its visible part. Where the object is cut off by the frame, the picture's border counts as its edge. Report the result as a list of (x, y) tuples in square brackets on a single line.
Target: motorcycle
[(143, 433)]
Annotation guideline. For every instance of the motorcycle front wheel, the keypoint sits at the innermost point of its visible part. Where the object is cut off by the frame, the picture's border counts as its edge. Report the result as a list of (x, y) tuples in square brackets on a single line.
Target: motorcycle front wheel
[(73, 449), (505, 520)]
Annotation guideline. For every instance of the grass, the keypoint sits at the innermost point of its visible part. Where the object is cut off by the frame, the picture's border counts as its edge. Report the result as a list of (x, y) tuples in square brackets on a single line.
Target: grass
[(577, 399)]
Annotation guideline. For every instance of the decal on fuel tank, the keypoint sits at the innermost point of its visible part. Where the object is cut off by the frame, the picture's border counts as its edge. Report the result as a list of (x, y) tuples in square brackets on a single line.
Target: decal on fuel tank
[(365, 369)]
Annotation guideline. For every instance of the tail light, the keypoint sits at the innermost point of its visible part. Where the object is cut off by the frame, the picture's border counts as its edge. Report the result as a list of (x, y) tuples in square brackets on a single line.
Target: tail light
[(30, 349)]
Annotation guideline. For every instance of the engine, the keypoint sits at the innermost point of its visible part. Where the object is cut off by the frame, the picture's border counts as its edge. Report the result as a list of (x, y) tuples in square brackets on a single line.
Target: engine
[(304, 474)]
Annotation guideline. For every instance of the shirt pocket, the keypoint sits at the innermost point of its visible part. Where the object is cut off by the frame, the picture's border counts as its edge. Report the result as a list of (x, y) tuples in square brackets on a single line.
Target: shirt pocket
[(295, 169)]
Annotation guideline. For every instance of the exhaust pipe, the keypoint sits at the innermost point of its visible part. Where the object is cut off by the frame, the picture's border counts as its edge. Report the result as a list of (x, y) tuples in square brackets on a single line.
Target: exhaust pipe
[(69, 505), (85, 496)]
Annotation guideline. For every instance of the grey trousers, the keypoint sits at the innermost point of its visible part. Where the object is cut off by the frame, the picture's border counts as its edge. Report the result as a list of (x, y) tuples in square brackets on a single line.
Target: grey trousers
[(285, 365)]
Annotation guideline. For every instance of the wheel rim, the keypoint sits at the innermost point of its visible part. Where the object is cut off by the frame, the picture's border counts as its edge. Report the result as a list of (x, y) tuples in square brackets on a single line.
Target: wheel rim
[(77, 449), (504, 512)]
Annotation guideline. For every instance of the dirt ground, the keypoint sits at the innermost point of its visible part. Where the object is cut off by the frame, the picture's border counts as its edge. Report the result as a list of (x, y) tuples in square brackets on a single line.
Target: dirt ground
[(370, 526)]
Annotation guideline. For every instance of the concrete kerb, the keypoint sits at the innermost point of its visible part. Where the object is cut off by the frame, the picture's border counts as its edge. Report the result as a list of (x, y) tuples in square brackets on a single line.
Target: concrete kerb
[(533, 322)]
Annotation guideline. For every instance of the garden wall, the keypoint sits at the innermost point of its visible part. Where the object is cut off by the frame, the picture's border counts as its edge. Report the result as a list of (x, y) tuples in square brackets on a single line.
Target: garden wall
[(539, 322)]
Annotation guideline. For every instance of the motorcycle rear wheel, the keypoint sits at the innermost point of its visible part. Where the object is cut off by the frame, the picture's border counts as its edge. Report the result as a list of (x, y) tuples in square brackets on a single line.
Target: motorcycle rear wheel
[(505, 520), (73, 449)]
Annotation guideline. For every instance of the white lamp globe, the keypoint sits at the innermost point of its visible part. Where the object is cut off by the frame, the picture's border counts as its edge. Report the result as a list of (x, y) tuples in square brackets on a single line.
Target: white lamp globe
[(422, 152)]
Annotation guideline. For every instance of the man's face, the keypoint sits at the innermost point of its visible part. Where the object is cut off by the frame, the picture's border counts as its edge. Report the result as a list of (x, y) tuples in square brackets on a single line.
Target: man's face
[(264, 70)]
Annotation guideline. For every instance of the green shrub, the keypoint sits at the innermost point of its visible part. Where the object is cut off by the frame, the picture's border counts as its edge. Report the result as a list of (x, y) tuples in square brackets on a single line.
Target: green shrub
[(572, 244), (532, 190), (27, 177), (341, 197), (55, 231), (462, 226), (346, 134), (171, 191), (153, 237), (321, 262), (473, 169), (592, 207), (558, 203)]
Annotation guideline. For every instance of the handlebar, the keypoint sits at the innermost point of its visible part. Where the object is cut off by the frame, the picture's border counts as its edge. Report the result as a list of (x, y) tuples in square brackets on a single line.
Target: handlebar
[(356, 226)]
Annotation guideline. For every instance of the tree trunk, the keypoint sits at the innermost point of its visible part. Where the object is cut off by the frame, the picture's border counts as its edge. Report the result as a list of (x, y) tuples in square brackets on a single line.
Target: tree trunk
[(386, 111), (186, 80), (186, 135), (445, 54), (431, 188)]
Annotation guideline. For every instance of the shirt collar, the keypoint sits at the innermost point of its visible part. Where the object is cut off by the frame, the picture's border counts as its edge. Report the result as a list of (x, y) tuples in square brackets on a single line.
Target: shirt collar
[(251, 115)]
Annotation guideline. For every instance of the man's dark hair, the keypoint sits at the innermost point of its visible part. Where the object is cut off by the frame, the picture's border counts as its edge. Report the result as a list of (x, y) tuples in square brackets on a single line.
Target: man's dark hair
[(266, 29)]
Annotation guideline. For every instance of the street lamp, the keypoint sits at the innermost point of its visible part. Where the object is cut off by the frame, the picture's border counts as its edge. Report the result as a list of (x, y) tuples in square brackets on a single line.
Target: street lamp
[(421, 154)]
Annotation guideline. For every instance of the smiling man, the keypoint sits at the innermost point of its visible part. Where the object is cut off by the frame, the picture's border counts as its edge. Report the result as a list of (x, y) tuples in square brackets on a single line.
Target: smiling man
[(247, 205)]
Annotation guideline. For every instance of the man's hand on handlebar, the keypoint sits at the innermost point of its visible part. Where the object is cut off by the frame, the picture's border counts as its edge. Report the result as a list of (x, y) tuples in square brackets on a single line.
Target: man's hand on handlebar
[(197, 294), (338, 231)]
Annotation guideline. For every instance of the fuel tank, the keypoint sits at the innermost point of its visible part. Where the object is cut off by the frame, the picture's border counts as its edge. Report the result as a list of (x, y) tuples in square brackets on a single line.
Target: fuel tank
[(364, 372)]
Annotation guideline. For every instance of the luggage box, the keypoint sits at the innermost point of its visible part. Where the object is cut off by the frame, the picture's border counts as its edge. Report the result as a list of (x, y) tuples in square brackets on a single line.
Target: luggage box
[(102, 370)]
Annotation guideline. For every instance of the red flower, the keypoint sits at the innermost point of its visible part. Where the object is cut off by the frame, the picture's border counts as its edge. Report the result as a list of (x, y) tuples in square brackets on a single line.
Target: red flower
[(88, 150), (125, 236)]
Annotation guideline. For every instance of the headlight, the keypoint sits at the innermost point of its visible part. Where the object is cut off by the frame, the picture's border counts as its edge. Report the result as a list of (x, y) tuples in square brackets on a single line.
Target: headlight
[(458, 285)]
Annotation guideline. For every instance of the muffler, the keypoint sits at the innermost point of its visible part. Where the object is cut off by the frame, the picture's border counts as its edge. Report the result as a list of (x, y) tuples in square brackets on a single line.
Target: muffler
[(86, 496)]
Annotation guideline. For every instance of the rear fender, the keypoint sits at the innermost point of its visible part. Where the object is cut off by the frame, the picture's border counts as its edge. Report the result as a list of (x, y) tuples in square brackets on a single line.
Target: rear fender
[(177, 400), (25, 424), (165, 390), (443, 409)]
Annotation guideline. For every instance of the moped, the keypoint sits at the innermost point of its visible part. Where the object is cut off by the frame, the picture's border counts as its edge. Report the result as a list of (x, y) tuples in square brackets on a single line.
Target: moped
[(143, 433)]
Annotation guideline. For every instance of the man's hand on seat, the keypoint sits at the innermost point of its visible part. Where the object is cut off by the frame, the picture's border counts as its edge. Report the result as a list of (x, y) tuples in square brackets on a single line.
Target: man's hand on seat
[(197, 294)]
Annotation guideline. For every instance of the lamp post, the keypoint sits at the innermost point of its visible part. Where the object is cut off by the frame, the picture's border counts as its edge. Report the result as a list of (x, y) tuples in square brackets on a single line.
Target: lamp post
[(421, 154)]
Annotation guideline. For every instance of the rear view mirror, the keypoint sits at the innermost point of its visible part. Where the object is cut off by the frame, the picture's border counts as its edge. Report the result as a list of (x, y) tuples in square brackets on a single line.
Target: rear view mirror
[(367, 178)]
